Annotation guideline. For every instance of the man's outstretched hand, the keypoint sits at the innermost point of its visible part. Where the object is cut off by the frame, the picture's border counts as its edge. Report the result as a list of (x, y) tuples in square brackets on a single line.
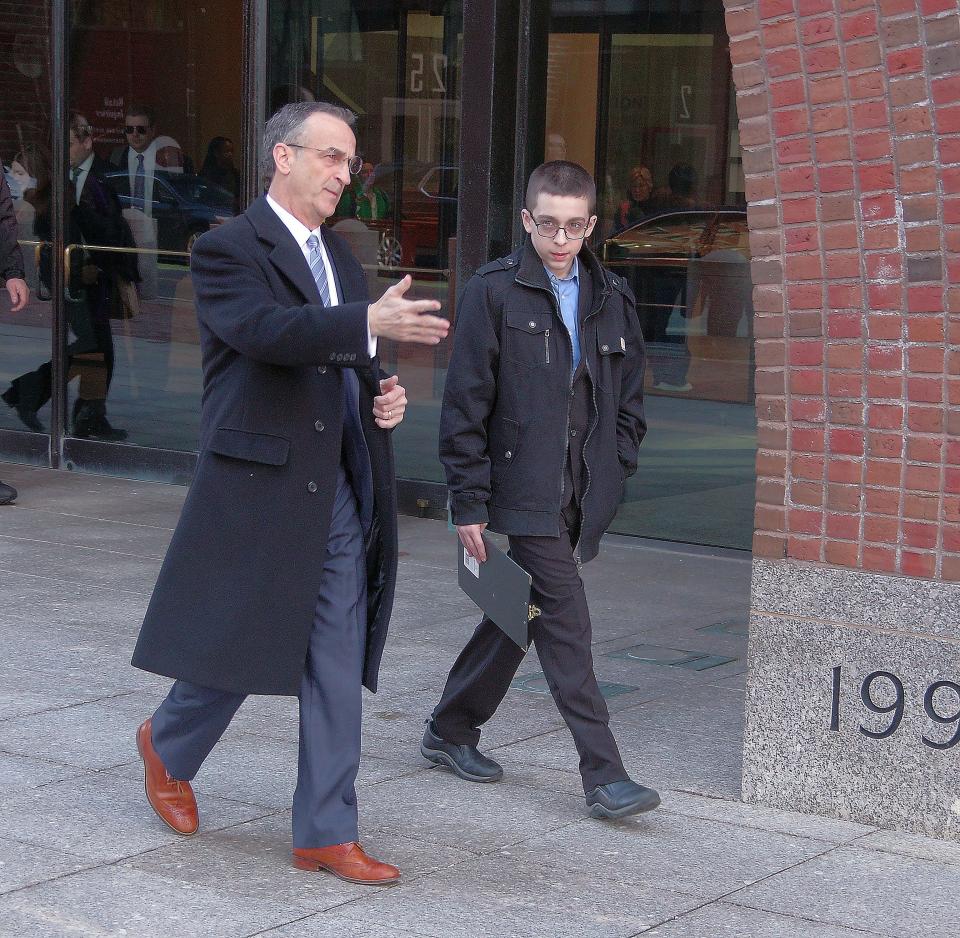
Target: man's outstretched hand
[(395, 317)]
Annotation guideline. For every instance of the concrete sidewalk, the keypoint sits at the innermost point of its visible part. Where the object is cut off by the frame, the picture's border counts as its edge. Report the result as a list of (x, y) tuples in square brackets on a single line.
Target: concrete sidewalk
[(81, 853)]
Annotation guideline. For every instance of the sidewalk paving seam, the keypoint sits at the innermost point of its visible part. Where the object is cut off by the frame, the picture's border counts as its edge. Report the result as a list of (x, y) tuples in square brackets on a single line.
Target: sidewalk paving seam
[(58, 709), (70, 514), (726, 896), (72, 546), (84, 583)]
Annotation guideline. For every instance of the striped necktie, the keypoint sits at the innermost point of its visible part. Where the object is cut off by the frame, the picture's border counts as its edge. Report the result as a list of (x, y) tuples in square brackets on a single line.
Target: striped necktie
[(318, 269)]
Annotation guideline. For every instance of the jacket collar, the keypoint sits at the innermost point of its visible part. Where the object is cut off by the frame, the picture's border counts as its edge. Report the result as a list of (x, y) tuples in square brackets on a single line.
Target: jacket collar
[(285, 253), (530, 271)]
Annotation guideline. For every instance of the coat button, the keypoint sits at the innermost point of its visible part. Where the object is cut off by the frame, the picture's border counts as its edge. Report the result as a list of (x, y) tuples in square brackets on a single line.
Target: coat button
[(573, 432), (321, 369), (508, 454), (311, 487), (318, 426), (604, 348), (532, 324)]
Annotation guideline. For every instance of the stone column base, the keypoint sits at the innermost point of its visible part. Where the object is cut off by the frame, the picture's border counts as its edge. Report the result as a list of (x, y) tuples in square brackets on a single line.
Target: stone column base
[(853, 697)]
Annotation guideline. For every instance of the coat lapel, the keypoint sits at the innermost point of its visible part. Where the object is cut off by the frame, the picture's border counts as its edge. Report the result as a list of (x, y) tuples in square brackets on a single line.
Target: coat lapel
[(285, 253)]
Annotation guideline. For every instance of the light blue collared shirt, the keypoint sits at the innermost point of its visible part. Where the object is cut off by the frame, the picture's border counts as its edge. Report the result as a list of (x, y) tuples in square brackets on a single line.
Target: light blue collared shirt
[(567, 292)]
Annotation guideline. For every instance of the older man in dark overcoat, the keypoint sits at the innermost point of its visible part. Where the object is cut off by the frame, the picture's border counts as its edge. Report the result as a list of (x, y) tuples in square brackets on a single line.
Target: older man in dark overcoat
[(280, 575)]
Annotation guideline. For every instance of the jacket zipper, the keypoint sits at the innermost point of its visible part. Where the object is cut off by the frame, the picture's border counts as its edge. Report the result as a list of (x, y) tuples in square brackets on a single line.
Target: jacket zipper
[(546, 344), (566, 428)]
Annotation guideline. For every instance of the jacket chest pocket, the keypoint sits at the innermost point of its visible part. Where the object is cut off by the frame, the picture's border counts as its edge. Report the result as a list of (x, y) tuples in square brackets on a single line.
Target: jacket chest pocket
[(611, 351), (527, 338)]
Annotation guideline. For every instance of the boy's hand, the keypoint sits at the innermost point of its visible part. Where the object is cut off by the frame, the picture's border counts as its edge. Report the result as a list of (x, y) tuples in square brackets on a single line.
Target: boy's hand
[(471, 536), (389, 405), (395, 317)]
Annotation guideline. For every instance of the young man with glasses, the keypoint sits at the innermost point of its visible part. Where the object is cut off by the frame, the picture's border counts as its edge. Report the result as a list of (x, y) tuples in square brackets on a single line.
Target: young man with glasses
[(542, 417)]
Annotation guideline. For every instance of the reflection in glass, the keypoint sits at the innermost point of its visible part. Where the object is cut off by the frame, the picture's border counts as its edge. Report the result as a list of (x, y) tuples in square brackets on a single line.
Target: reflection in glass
[(165, 136), (398, 69), (672, 221), (25, 141)]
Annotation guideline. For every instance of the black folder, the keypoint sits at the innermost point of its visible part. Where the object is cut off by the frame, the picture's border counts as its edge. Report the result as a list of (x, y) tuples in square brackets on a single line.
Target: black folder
[(500, 588)]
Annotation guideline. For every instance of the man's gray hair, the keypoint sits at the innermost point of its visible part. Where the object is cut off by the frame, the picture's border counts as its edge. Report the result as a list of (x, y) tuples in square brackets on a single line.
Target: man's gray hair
[(286, 126)]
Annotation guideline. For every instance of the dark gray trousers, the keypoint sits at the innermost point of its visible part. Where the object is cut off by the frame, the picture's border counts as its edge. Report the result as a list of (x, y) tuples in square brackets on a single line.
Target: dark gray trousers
[(192, 719), (482, 673)]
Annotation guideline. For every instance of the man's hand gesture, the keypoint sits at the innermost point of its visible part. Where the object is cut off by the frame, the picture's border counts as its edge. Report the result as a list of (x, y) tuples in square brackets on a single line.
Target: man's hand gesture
[(390, 403), (19, 294), (395, 317)]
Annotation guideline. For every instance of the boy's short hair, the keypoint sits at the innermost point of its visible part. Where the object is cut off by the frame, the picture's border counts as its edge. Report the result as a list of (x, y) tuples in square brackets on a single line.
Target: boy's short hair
[(561, 177)]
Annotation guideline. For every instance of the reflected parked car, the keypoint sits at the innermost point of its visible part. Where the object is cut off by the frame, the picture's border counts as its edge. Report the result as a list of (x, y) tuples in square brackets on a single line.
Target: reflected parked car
[(690, 262), (184, 207), (422, 214)]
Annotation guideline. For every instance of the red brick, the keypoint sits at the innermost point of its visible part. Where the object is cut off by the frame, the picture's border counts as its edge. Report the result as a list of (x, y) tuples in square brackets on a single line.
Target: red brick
[(875, 177), (804, 521), (805, 297), (846, 527), (771, 8), (883, 472), (859, 26), (879, 559), (924, 239), (873, 146), (842, 267), (798, 179), (882, 529), (951, 481), (836, 178), (826, 90), (806, 467), (783, 62), (806, 238), (807, 440), (915, 150), (804, 548), (819, 30), (844, 326), (882, 387), (807, 409), (924, 449), (842, 553), (846, 442), (927, 390), (929, 7), (884, 328), (906, 91), (948, 119), (863, 55), (884, 358), (925, 419), (791, 122), (841, 385), (806, 381), (837, 208), (920, 180), (769, 545), (877, 207), (913, 121), (885, 445), (787, 93), (799, 210), (882, 501), (905, 61), (950, 568), (881, 237), (884, 266), (915, 564), (885, 416), (809, 7), (806, 493), (921, 507), (927, 360), (945, 90), (923, 478), (847, 471), (949, 149), (825, 119), (803, 267), (845, 356), (833, 149), (925, 299)]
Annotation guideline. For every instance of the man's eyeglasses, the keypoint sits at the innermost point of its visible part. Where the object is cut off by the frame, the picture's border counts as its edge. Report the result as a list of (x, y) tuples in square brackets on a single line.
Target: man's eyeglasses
[(135, 129), (334, 158), (573, 230)]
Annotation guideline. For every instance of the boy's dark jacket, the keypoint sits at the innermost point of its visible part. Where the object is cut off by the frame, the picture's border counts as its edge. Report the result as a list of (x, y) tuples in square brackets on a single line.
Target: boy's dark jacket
[(504, 424)]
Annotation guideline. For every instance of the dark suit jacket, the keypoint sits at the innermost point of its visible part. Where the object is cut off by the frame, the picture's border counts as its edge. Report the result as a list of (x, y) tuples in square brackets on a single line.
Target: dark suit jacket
[(234, 603), (11, 258)]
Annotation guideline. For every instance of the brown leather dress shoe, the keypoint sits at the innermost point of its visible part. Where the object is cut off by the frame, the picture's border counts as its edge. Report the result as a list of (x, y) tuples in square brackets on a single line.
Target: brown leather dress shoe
[(172, 799), (349, 862)]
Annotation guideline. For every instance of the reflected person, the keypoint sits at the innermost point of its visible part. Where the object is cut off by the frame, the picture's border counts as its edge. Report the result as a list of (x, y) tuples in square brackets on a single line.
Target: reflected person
[(11, 272), (95, 219)]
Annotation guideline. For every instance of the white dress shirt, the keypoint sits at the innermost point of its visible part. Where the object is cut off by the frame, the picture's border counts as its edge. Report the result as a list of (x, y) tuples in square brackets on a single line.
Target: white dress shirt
[(149, 168), (300, 234)]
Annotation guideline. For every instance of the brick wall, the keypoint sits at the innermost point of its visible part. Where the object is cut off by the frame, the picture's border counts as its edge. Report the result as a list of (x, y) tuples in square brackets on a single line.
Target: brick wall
[(850, 123)]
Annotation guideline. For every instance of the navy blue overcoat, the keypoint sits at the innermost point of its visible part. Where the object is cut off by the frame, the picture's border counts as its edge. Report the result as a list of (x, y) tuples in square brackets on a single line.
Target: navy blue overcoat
[(234, 602)]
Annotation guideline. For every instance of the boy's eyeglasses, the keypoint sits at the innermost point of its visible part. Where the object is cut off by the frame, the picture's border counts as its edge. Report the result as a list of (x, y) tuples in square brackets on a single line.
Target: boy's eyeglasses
[(135, 129), (574, 230), (334, 157)]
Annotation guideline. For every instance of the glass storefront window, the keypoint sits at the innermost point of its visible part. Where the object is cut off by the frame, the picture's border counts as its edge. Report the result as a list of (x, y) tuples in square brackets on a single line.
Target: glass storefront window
[(644, 100), (397, 67), (25, 145)]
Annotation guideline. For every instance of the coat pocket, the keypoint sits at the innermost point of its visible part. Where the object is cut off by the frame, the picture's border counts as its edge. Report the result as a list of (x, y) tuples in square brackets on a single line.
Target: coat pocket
[(503, 440), (526, 340), (611, 350), (254, 447)]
